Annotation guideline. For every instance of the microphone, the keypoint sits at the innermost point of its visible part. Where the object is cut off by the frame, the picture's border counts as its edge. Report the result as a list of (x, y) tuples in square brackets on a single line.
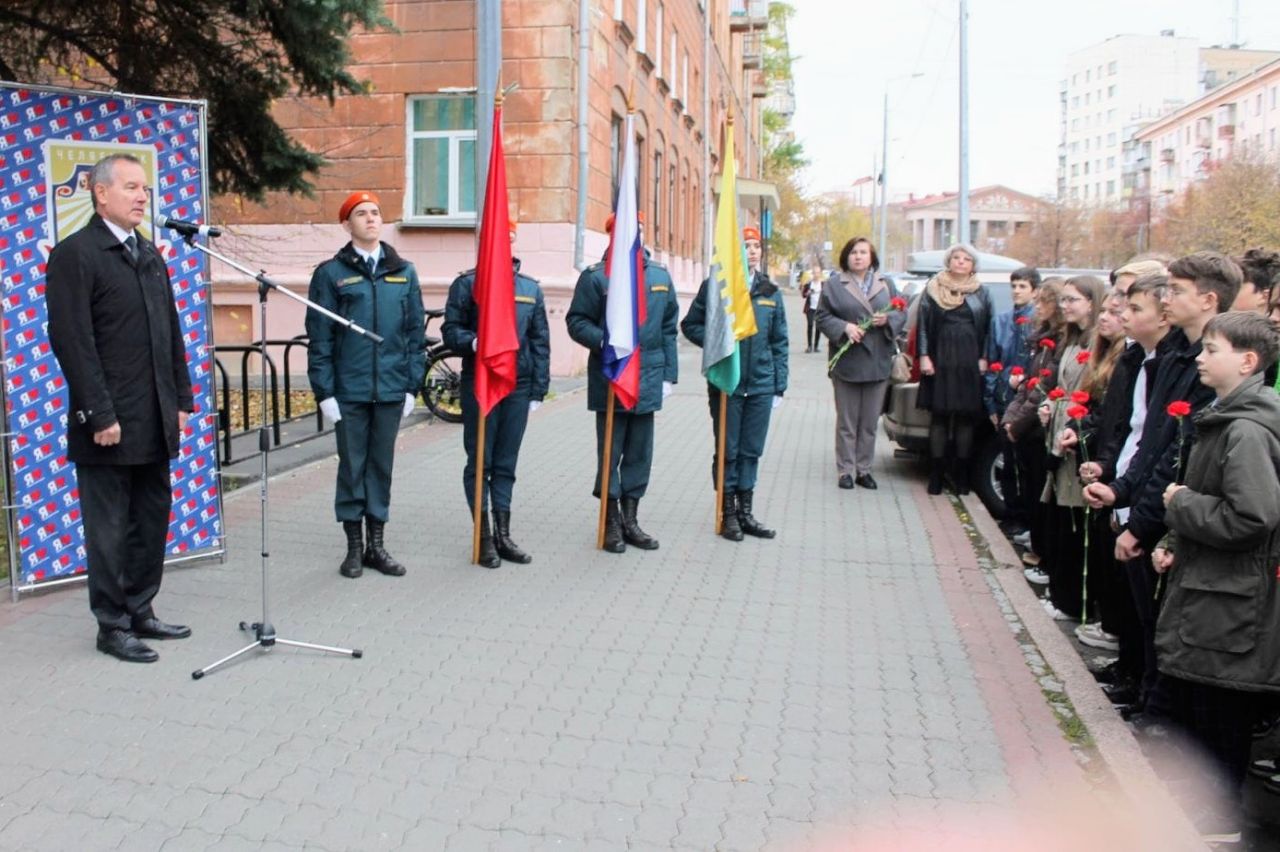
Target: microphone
[(191, 229)]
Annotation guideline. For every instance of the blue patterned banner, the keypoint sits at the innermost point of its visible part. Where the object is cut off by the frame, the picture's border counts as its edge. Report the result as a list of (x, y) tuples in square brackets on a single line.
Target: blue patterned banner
[(49, 140)]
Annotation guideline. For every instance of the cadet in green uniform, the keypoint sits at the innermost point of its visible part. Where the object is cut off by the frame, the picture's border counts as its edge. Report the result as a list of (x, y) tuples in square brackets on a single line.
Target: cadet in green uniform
[(505, 428), (763, 357), (632, 451), (362, 387)]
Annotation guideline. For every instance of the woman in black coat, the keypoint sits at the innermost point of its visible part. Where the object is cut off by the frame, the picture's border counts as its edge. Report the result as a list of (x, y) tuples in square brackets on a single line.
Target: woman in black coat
[(955, 318)]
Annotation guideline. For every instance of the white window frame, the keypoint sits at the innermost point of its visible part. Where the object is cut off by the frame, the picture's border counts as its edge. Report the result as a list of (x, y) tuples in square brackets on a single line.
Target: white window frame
[(671, 58), (617, 10), (455, 217), (684, 82), (642, 14), (657, 41)]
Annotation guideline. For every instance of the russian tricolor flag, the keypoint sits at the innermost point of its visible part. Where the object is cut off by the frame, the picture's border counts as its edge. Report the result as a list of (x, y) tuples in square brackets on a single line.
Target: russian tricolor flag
[(624, 311)]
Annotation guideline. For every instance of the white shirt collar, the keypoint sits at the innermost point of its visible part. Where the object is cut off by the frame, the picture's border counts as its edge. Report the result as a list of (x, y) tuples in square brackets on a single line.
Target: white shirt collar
[(375, 255), (121, 233)]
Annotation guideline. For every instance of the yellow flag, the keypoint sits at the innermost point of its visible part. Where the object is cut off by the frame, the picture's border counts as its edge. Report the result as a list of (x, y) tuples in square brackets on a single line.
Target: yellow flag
[(730, 316)]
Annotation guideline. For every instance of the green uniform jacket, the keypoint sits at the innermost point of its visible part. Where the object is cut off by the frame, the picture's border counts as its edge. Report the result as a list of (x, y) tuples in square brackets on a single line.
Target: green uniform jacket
[(763, 355), (658, 362), (533, 363), (1220, 623), (348, 366)]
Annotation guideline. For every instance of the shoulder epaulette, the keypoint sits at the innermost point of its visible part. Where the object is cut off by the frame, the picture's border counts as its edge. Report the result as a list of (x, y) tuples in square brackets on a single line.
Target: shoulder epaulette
[(655, 264), (599, 264)]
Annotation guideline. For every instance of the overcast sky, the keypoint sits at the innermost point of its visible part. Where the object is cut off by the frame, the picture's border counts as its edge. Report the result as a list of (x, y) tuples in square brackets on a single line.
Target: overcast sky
[(849, 49)]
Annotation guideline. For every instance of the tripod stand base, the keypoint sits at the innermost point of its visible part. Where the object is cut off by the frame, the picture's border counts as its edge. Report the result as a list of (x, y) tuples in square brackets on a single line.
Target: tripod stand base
[(266, 639)]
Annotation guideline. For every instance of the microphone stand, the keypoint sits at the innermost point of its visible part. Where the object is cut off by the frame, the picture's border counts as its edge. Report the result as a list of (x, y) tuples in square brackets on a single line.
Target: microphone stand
[(264, 632)]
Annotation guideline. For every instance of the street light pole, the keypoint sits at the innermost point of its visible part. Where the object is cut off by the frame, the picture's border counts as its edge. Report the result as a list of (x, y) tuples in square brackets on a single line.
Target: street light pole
[(882, 246), (962, 229)]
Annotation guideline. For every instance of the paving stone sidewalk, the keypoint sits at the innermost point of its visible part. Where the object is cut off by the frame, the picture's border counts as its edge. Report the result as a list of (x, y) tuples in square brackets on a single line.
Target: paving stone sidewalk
[(854, 672)]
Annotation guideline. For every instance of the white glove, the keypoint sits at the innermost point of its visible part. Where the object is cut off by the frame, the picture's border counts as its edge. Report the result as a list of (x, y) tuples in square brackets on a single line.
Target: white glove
[(534, 405), (777, 401), (475, 344), (667, 389), (409, 402), (329, 408)]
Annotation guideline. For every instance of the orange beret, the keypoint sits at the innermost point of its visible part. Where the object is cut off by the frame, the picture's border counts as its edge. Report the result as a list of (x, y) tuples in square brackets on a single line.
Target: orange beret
[(751, 234), (352, 200), (608, 223), (511, 224)]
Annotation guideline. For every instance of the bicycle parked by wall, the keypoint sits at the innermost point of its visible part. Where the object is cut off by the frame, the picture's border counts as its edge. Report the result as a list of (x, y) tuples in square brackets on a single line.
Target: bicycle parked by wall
[(442, 386)]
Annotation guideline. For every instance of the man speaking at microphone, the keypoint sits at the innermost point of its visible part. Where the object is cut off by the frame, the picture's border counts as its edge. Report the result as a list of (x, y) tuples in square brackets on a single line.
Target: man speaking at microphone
[(365, 388), (114, 329)]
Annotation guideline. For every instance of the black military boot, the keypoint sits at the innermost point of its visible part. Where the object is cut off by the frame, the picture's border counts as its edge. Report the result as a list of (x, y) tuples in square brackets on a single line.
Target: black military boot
[(631, 531), (375, 555), (750, 525), (488, 553), (613, 541), (351, 566), (507, 548), (729, 527), (935, 476), (960, 475)]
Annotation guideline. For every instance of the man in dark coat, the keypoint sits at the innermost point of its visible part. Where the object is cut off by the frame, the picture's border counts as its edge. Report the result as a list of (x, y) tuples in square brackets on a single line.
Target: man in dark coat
[(114, 329), (763, 362), (362, 387), (632, 450), (505, 427)]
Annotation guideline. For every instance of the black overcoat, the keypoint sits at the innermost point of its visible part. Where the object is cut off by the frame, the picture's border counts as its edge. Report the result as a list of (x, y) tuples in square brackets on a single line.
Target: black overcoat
[(114, 329)]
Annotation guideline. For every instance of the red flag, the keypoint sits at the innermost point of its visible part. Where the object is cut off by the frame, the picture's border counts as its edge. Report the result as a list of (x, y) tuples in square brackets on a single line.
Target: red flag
[(495, 287)]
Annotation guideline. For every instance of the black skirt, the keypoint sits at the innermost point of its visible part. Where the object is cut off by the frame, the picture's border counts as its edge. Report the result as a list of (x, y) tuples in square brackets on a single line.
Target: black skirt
[(956, 384)]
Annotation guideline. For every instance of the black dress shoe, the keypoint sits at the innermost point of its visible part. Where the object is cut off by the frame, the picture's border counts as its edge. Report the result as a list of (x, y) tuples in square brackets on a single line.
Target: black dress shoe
[(866, 481), (123, 645), (1121, 693), (154, 628), (846, 482)]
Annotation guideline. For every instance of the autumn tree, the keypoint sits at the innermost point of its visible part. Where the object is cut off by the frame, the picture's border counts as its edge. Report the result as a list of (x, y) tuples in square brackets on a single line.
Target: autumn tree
[(239, 55), (1237, 206)]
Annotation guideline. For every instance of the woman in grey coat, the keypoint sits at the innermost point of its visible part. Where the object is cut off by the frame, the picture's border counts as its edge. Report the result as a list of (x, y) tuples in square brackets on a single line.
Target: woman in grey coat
[(852, 298)]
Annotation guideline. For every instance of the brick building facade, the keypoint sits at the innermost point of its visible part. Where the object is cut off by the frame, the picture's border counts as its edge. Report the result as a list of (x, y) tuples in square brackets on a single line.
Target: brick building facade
[(412, 141)]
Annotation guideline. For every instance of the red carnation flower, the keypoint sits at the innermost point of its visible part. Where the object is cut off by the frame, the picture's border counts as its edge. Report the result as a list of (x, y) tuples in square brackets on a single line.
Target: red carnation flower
[(898, 303), (1022, 320), (1056, 394), (1046, 372), (1080, 397), (1082, 357), (1033, 382), (1047, 343), (1180, 408), (1077, 412), (1017, 371), (996, 367)]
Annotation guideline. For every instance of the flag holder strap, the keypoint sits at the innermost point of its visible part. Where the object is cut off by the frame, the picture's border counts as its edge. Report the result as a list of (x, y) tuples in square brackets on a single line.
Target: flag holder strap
[(263, 632), (606, 467)]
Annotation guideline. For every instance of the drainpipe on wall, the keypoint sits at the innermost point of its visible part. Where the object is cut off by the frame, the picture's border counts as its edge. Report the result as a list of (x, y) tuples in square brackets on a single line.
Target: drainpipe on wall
[(488, 67), (706, 139), (584, 175)]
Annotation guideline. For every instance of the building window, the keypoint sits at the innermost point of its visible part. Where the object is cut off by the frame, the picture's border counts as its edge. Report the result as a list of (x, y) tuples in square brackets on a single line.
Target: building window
[(671, 60), (1112, 67), (441, 161), (657, 37), (655, 227), (1111, 138), (671, 203), (615, 156), (1086, 103), (1257, 105), (684, 82), (642, 15), (1111, 187), (1111, 91), (1075, 103), (1111, 162), (1075, 172), (1273, 96), (617, 10)]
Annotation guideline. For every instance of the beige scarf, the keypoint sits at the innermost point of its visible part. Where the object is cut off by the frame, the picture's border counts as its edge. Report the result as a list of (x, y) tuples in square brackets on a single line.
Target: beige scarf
[(949, 291)]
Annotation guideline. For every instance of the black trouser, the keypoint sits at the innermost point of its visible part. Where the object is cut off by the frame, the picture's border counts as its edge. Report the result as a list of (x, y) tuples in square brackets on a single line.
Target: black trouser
[(1028, 464), (631, 452), (811, 333), (1220, 723), (126, 521), (1142, 588), (503, 434), (1063, 559)]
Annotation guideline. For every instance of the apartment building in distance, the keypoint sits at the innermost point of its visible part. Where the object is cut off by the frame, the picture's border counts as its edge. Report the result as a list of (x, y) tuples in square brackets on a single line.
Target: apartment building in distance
[(1113, 88), (412, 140)]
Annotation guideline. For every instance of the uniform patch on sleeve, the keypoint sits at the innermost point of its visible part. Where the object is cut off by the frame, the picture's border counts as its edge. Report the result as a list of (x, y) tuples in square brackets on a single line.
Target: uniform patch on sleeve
[(526, 300), (768, 303), (396, 279), (351, 280), (659, 288)]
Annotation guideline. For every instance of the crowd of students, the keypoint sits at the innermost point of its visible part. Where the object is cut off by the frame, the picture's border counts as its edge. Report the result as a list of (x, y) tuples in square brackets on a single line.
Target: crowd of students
[(1141, 431)]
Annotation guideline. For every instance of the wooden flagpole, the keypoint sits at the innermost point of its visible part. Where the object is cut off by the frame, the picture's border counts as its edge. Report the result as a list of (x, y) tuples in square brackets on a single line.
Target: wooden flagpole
[(479, 490), (605, 468), (720, 441)]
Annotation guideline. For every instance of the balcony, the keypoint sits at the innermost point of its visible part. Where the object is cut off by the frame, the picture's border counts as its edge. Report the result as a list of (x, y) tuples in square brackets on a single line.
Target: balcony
[(1167, 155), (1227, 131), (748, 15), (759, 86), (752, 51)]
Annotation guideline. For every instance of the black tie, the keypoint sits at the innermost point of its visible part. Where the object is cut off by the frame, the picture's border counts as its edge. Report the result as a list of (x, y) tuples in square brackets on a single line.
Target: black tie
[(131, 246), (372, 263)]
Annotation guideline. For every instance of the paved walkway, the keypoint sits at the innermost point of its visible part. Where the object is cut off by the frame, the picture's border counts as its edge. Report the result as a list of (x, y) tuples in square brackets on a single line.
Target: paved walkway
[(867, 670)]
